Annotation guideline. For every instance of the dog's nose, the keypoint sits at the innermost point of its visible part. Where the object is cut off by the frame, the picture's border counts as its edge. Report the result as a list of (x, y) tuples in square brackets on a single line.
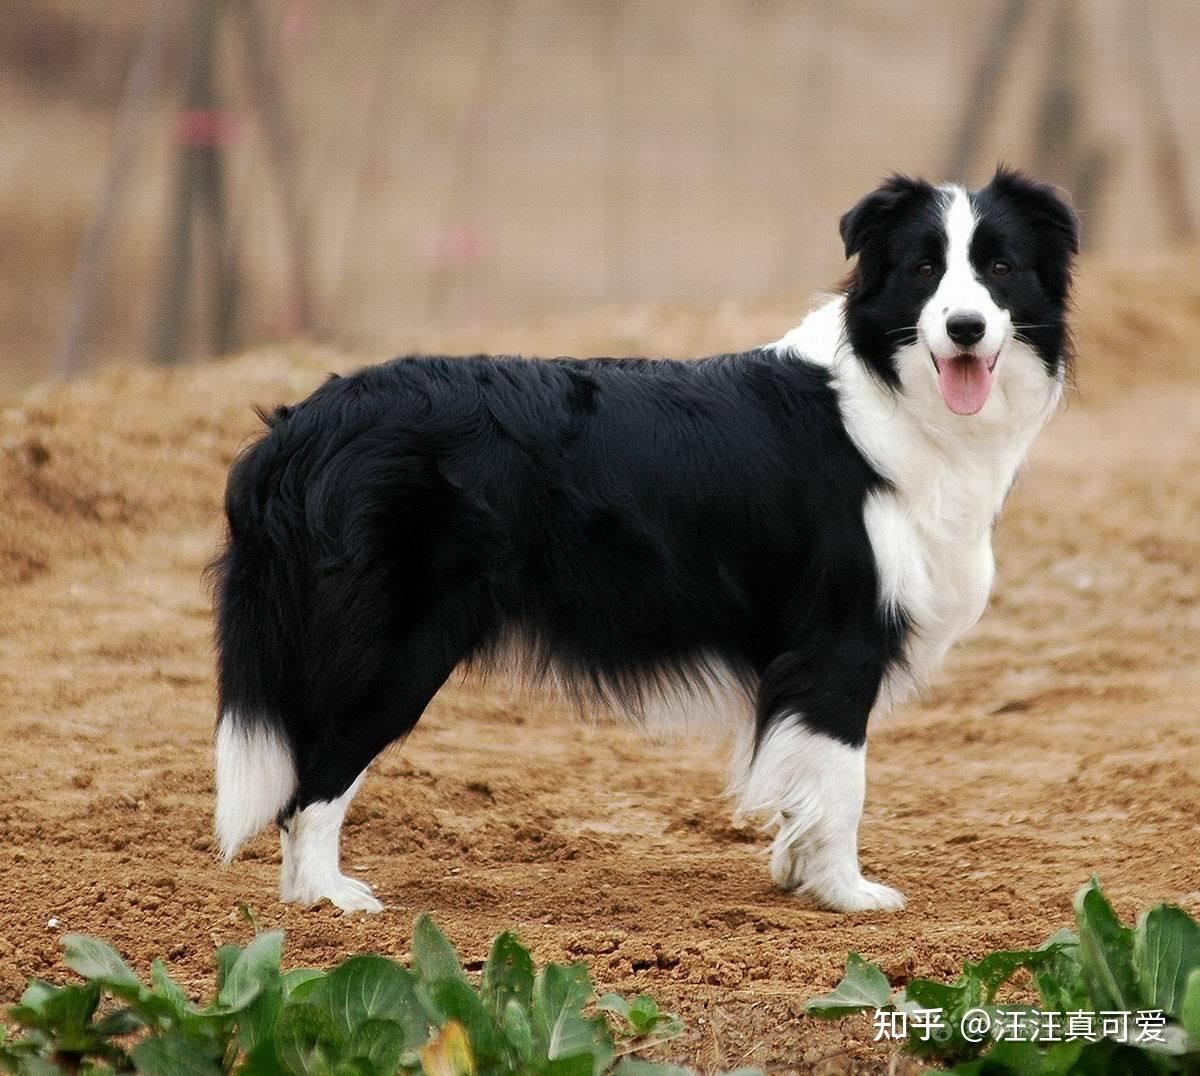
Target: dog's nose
[(965, 329)]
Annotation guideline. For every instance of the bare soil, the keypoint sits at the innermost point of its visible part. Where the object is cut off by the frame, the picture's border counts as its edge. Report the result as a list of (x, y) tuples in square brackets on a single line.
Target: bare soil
[(1061, 740)]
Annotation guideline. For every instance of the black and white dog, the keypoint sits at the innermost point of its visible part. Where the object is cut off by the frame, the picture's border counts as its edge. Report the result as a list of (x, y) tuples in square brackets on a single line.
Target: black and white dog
[(784, 540)]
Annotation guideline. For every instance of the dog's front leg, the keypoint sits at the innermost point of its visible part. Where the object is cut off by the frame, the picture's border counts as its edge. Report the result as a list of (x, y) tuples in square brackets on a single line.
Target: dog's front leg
[(808, 775)]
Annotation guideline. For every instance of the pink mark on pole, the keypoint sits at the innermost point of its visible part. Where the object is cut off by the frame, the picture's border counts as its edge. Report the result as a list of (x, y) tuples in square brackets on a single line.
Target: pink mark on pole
[(207, 127)]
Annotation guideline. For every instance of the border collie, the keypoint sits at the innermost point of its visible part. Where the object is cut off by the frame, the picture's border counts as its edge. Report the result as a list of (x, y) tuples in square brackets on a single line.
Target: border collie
[(786, 539)]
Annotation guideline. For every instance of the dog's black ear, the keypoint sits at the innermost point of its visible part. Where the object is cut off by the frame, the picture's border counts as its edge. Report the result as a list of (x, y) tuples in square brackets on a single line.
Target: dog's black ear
[(1053, 222), (1041, 204), (872, 214)]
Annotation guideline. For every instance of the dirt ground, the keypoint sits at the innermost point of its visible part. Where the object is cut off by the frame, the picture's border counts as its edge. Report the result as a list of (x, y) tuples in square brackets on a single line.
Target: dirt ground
[(1061, 740)]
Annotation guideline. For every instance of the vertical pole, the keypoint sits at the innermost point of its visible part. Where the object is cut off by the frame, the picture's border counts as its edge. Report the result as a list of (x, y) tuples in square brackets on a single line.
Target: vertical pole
[(980, 99), (199, 197), (264, 84), (1167, 155), (89, 270)]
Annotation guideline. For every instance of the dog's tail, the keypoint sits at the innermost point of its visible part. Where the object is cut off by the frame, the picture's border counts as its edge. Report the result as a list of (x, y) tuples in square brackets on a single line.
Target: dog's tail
[(259, 686), (256, 778)]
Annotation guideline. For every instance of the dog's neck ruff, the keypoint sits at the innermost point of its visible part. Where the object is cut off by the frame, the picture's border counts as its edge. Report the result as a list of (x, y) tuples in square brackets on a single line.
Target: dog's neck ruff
[(947, 475), (958, 469)]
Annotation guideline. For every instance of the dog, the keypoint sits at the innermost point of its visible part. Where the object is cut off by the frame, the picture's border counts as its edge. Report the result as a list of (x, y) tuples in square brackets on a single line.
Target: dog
[(782, 541)]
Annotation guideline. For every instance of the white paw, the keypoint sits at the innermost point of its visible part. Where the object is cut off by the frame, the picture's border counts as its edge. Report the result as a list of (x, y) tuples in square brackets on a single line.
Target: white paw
[(857, 895), (351, 895), (833, 883), (344, 892)]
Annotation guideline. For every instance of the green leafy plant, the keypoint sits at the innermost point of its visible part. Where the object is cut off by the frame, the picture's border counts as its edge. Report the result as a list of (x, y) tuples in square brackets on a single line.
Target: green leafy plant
[(369, 1016), (1133, 995)]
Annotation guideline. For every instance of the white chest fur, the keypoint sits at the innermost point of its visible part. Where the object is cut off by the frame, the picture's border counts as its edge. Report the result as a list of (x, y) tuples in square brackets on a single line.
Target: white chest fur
[(948, 475), (935, 571)]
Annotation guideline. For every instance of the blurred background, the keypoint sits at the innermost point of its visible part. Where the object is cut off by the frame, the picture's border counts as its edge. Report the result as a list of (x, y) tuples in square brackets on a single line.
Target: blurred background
[(180, 178)]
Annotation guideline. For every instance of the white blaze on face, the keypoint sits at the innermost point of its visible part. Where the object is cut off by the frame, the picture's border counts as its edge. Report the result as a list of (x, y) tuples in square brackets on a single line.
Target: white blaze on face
[(964, 372)]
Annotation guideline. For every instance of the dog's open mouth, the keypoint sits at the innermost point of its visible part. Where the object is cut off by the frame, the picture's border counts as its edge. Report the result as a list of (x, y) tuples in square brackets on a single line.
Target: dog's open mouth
[(965, 381)]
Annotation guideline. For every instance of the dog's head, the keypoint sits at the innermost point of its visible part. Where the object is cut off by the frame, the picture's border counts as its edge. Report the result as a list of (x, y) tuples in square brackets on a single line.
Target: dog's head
[(956, 292)]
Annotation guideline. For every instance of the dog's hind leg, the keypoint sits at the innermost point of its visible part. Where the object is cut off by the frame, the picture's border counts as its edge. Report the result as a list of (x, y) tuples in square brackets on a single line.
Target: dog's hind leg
[(807, 772), (332, 763), (331, 771)]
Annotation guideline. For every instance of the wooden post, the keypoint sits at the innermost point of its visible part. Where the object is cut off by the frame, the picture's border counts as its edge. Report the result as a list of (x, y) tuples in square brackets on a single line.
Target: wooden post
[(264, 84), (1169, 159), (199, 200), (93, 254), (980, 99)]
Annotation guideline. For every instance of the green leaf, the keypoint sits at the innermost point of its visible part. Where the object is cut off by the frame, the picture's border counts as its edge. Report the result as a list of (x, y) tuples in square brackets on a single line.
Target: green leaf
[(255, 969), (38, 1066), (648, 1019), (72, 1006), (33, 1000), (954, 999), (575, 1065), (507, 975), (1106, 1057), (863, 986), (67, 1016), (559, 1028), (559, 992), (454, 1000), (169, 991), (994, 970), (1105, 953), (1189, 1014), (256, 1022), (353, 1068), (379, 1043), (1064, 1057), (644, 1007), (295, 982), (433, 957), (517, 1031), (118, 1023), (94, 959), (1059, 980), (1166, 950), (226, 957), (371, 988), (262, 1061), (614, 1003), (1064, 936), (1013, 1058), (669, 1027), (307, 1040), (174, 1054)]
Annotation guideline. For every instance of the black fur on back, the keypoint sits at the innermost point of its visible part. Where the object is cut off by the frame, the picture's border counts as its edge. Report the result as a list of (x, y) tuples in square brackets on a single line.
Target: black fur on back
[(633, 523)]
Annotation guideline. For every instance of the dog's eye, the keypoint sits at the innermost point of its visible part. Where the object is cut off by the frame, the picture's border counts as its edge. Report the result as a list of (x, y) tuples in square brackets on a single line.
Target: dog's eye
[(925, 268), (1000, 268)]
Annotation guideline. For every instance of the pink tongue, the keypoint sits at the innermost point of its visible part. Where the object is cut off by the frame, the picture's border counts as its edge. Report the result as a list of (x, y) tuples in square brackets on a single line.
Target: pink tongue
[(965, 383)]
